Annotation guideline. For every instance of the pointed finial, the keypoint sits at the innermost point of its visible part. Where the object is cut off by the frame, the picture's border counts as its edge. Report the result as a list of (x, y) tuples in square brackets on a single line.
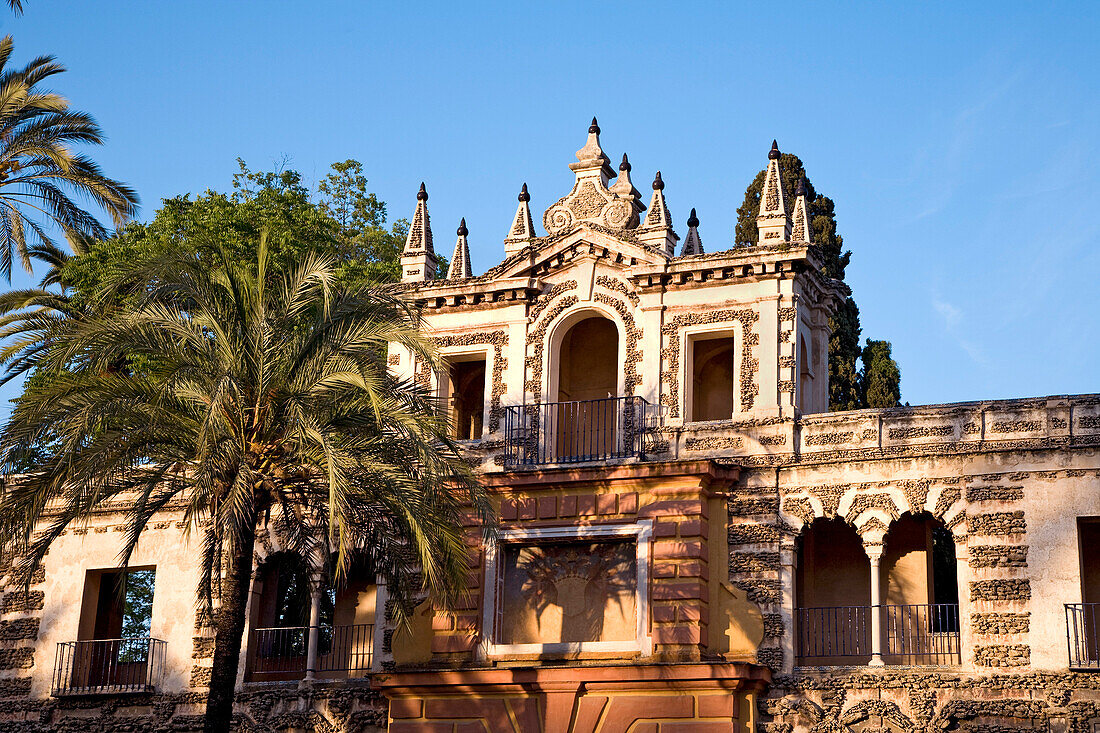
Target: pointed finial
[(523, 195), (773, 154), (462, 230), (625, 165), (594, 127), (693, 220), (422, 194), (658, 184), (800, 189)]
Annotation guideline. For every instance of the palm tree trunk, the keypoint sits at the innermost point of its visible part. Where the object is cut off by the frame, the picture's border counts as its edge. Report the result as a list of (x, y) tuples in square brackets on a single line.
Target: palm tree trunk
[(229, 630)]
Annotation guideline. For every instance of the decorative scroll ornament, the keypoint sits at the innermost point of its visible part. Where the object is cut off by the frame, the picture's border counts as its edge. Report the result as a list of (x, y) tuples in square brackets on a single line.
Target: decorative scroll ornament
[(591, 200)]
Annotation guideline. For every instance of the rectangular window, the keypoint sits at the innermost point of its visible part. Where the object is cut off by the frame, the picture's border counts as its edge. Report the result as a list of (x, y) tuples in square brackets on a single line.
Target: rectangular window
[(118, 604), (466, 391), (569, 589), (712, 379)]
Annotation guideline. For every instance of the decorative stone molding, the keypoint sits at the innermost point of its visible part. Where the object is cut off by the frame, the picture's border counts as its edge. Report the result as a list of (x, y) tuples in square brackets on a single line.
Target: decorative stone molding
[(498, 339), (748, 366)]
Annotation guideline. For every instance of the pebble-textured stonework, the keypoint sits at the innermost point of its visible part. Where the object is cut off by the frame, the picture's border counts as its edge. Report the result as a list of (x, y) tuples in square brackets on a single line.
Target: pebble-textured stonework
[(772, 440), (921, 431), (19, 600), (753, 562), (835, 438), (544, 299), (202, 647), (724, 442), (760, 590), (770, 656), (994, 493), (741, 507), (1002, 655), (998, 556), (19, 629), (18, 658), (947, 498), (535, 344), (863, 502), (1016, 426), (996, 524), (1089, 422), (1001, 589), (1000, 623), (748, 366), (829, 496), (752, 534), (618, 286), (801, 508), (916, 493), (774, 627)]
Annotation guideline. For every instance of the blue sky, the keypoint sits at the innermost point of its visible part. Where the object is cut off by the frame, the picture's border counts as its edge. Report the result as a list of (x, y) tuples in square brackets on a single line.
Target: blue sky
[(960, 141)]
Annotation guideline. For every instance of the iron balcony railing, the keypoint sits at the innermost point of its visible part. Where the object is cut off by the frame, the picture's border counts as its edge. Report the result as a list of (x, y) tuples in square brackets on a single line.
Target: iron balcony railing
[(1083, 635), (914, 634), (576, 432), (108, 666), (282, 653)]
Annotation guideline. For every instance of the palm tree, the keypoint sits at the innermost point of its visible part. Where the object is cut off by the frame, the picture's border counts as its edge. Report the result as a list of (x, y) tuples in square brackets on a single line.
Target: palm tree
[(260, 396), (38, 168)]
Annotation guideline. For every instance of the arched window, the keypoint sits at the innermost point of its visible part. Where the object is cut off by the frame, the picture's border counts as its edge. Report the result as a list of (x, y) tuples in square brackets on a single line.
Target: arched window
[(586, 416), (832, 593)]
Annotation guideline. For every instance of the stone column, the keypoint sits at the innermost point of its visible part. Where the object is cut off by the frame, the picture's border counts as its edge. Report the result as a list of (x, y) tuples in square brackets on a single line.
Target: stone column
[(314, 625), (877, 609)]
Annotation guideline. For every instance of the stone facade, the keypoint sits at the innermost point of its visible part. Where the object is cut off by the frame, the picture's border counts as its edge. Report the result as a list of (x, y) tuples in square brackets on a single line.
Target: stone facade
[(719, 511)]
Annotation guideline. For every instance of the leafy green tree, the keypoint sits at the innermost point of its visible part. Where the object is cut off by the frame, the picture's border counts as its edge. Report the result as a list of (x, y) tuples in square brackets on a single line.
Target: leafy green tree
[(845, 392), (880, 378), (264, 393), (39, 172)]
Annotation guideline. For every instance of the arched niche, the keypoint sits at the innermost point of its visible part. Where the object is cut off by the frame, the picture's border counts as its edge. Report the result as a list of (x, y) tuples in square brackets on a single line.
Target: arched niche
[(832, 595)]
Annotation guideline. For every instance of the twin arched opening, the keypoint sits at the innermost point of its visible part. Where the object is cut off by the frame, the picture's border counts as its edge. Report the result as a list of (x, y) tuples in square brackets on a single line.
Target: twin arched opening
[(301, 624), (897, 607)]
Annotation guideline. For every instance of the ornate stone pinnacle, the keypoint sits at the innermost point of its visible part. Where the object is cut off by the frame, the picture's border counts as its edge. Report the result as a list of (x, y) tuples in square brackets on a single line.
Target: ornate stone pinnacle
[(625, 165), (800, 189), (594, 127), (523, 195), (773, 154), (693, 220), (422, 194), (658, 184), (462, 230)]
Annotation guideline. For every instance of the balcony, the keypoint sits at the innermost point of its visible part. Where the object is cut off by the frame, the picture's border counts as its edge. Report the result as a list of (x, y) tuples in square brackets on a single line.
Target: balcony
[(577, 432), (917, 635), (108, 666), (283, 653), (1083, 635)]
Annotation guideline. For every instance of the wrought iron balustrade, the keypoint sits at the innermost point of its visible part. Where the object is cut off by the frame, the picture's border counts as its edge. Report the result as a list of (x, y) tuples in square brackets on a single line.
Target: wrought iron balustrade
[(108, 666), (913, 634), (1083, 635), (577, 432), (283, 652)]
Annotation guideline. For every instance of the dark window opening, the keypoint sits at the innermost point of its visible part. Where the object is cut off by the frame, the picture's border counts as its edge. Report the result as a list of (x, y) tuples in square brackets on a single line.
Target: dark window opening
[(467, 393), (123, 605), (712, 379)]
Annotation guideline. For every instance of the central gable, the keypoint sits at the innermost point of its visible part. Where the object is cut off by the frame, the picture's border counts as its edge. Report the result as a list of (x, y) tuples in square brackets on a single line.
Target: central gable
[(584, 243)]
